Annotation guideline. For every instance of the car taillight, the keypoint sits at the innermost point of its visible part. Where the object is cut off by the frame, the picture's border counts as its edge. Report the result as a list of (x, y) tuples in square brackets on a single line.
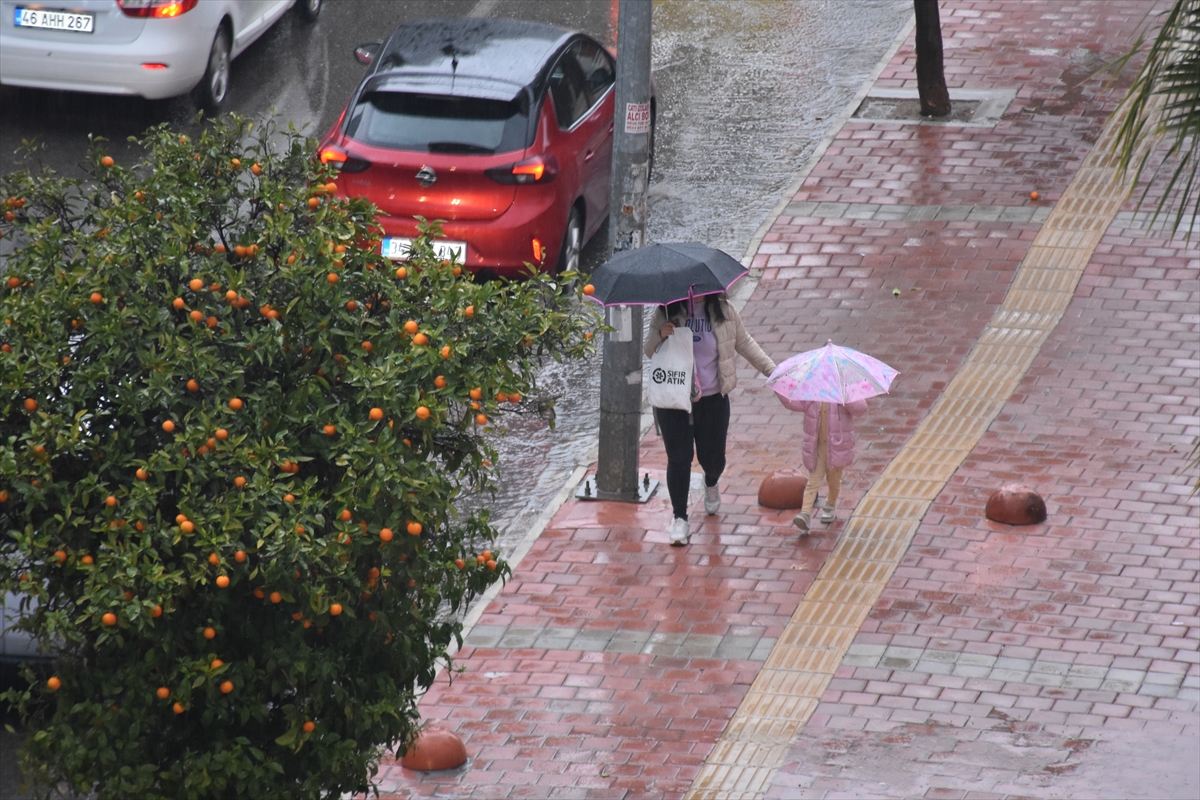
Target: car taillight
[(158, 9), (539, 169), (538, 252), (342, 161)]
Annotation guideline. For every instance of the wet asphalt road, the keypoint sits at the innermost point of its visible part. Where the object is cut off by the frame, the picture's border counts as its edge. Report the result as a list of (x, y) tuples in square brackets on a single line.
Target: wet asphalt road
[(746, 88)]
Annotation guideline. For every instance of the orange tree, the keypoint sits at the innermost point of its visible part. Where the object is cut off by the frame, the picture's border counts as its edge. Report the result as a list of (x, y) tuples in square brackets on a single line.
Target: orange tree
[(231, 442)]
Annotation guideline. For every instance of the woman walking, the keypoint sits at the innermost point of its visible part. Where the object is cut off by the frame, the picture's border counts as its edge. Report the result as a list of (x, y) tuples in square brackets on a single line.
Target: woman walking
[(827, 450), (717, 335)]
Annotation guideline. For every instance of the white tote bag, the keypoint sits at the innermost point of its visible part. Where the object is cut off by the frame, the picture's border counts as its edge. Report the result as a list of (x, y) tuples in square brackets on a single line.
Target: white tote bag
[(671, 369)]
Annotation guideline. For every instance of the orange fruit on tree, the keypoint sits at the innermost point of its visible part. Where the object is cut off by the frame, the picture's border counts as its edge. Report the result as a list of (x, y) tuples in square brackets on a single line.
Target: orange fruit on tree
[(196, 315), (440, 381), (256, 169), (231, 296), (491, 564), (178, 302), (107, 161), (236, 404), (501, 397), (193, 386), (414, 528), (481, 419), (446, 351), (239, 556), (289, 498), (96, 298), (469, 312), (345, 515), (423, 412), (214, 559), (187, 526), (220, 248), (421, 340), (210, 633), (402, 273), (156, 612), (226, 687), (589, 289), (163, 693), (53, 683), (60, 556), (330, 430), (221, 434), (335, 609), (216, 663), (109, 619), (332, 277), (385, 534), (196, 284), (352, 305), (141, 474), (88, 560), (276, 597), (376, 414), (178, 708), (515, 397), (239, 482), (222, 581), (410, 327), (31, 404), (179, 518), (168, 426), (313, 202), (368, 346), (211, 322), (110, 501), (487, 555), (458, 562), (309, 726), (259, 593)]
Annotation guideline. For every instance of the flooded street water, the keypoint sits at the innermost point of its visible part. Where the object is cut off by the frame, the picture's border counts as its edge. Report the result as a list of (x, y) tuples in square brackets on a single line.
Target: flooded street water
[(746, 91)]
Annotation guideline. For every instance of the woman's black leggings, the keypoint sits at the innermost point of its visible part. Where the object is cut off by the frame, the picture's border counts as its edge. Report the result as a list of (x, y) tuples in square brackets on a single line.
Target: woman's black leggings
[(708, 427)]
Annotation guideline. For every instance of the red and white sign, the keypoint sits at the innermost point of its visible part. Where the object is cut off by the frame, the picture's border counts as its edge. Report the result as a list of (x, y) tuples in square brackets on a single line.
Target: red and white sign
[(637, 117)]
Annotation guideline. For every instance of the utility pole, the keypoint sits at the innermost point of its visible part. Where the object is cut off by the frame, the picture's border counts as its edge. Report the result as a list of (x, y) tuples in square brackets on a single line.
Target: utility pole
[(621, 374)]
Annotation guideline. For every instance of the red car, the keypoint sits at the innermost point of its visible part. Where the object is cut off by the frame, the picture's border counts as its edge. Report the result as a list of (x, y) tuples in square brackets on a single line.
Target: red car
[(502, 129)]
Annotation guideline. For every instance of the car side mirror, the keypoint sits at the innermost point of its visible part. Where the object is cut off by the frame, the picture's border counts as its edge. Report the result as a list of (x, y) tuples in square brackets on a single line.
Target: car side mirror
[(366, 53)]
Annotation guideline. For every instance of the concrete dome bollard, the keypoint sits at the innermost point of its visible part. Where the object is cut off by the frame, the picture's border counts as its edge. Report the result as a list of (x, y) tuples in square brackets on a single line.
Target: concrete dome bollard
[(1014, 504), (435, 748), (783, 489)]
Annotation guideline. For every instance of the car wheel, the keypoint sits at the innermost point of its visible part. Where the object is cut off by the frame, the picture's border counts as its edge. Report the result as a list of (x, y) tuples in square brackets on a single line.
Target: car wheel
[(309, 9), (572, 244), (214, 86)]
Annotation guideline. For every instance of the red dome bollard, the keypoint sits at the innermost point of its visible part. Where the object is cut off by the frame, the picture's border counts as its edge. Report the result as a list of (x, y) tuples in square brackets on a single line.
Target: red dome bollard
[(783, 489), (435, 748), (1014, 504)]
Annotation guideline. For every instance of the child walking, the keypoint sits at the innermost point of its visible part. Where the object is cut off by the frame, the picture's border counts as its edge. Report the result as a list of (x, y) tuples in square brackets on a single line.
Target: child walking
[(827, 450)]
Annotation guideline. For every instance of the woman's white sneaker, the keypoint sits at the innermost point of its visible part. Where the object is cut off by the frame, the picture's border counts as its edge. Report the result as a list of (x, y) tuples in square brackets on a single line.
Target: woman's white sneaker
[(801, 522), (712, 500), (680, 532), (828, 514)]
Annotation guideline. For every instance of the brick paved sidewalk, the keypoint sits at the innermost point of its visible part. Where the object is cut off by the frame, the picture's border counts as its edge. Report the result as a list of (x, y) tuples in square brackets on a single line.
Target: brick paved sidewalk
[(1055, 661)]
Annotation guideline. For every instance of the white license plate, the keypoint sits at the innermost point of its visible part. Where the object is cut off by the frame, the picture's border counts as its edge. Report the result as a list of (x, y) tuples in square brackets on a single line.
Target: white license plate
[(397, 248), (53, 20)]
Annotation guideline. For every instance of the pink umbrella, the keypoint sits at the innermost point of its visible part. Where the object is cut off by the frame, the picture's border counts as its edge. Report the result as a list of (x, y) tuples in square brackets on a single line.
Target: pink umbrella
[(831, 374)]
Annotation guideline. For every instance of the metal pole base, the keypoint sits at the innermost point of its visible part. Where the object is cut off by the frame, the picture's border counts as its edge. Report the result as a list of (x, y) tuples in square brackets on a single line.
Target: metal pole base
[(588, 491)]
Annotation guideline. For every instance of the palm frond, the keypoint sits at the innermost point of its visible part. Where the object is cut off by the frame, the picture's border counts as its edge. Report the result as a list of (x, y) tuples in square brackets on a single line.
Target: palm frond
[(1164, 101)]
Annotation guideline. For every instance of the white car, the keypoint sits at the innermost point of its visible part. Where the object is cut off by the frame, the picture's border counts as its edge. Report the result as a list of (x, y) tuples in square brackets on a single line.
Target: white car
[(152, 48)]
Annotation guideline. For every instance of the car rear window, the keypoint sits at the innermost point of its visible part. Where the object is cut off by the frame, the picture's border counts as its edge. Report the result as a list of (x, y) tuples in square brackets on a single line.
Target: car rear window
[(438, 124)]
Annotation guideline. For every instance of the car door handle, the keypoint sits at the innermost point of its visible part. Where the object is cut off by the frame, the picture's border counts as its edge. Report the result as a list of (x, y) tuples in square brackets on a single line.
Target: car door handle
[(589, 155)]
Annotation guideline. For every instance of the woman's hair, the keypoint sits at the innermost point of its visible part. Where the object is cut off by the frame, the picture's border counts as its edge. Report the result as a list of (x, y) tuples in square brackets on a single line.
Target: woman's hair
[(714, 307)]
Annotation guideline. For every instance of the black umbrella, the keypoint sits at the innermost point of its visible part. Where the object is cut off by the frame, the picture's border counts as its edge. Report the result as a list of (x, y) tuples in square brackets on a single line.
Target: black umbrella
[(659, 274)]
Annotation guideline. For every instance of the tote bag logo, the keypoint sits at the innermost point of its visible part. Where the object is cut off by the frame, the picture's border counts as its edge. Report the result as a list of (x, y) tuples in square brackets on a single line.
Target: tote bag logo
[(669, 377)]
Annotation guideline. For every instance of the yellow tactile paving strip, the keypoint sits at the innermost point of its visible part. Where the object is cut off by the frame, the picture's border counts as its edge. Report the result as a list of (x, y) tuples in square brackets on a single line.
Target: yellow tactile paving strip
[(786, 692)]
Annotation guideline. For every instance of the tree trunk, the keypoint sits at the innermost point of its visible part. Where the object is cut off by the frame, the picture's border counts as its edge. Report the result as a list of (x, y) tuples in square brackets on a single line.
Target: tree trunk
[(931, 78)]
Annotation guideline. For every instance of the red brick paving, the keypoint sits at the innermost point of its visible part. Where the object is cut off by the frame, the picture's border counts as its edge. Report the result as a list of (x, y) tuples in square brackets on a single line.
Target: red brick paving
[(1100, 426)]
